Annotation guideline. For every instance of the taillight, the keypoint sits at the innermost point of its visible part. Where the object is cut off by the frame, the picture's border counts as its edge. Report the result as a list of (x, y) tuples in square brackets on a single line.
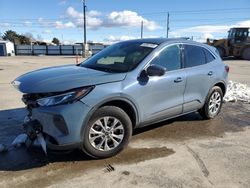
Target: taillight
[(227, 68)]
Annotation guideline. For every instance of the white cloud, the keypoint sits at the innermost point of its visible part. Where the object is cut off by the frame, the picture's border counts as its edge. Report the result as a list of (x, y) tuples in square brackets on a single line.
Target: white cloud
[(112, 39), (66, 42), (245, 23), (5, 24), (43, 22), (96, 19), (93, 22), (130, 19), (27, 23), (94, 13), (205, 29), (61, 25), (73, 13), (47, 31), (203, 32), (56, 24), (204, 37)]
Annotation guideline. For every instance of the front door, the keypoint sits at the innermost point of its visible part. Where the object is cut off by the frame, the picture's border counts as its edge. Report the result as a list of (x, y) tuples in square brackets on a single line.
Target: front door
[(162, 96)]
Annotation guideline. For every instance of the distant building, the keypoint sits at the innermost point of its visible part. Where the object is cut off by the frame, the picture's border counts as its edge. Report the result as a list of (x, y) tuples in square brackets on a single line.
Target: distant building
[(7, 48)]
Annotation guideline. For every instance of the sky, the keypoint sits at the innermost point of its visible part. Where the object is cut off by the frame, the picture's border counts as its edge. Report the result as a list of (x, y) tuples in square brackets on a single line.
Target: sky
[(114, 20)]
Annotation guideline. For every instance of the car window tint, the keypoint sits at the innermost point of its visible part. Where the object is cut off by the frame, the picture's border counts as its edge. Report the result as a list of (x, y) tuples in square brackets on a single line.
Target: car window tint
[(169, 58), (193, 56), (209, 56)]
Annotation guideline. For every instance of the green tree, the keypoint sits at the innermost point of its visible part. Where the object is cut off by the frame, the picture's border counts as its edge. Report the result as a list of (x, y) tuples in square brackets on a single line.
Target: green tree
[(11, 36), (23, 39), (16, 38), (56, 41)]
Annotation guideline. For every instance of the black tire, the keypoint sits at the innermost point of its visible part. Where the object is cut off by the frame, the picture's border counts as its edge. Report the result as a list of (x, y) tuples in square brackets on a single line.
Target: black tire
[(246, 53), (205, 112), (108, 112)]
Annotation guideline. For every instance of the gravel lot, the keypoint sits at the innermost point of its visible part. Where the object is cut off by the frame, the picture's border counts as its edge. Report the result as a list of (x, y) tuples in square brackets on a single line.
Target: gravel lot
[(183, 152)]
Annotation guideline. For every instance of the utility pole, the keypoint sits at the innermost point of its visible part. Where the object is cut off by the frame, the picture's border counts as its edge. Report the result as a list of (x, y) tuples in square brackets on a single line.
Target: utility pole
[(141, 29), (62, 39), (167, 24), (84, 27)]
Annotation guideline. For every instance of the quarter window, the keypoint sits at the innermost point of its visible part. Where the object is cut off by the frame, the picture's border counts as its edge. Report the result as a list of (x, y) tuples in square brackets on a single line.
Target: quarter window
[(193, 56), (169, 58), (209, 56)]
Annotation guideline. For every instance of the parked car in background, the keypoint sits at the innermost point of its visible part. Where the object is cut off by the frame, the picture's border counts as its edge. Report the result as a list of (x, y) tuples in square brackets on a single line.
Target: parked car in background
[(96, 105)]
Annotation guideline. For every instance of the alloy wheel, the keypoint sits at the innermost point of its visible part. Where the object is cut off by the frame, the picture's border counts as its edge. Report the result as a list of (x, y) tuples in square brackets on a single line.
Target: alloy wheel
[(214, 103), (106, 133)]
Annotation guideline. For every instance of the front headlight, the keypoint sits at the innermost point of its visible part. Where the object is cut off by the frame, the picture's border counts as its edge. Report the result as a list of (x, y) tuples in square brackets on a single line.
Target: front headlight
[(64, 98)]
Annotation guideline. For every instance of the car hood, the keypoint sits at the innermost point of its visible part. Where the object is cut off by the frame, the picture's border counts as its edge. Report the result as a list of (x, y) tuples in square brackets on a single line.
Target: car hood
[(63, 78)]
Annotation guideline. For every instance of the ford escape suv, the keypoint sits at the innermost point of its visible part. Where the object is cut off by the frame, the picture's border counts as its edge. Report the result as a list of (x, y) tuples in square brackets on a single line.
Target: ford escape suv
[(96, 105)]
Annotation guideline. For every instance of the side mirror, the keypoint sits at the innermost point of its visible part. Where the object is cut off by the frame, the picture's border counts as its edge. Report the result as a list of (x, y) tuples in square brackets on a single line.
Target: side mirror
[(155, 70)]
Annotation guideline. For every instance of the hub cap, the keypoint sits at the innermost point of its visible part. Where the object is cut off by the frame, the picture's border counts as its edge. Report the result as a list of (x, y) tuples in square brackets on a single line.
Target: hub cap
[(214, 103), (106, 133)]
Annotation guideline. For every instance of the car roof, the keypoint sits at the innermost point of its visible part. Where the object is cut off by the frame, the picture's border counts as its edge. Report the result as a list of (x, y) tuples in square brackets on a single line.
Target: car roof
[(158, 40)]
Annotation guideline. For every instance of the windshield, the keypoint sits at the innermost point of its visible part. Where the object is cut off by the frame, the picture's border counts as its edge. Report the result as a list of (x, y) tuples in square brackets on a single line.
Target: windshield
[(120, 57)]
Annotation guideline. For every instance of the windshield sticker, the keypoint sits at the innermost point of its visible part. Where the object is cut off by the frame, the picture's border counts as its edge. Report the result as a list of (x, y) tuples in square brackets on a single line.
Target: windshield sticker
[(149, 45)]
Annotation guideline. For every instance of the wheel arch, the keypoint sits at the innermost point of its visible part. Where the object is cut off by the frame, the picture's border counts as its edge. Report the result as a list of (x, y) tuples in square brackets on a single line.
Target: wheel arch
[(125, 104), (222, 85)]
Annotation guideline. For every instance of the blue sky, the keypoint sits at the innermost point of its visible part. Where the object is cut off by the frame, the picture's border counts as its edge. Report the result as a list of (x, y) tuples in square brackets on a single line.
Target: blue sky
[(113, 20)]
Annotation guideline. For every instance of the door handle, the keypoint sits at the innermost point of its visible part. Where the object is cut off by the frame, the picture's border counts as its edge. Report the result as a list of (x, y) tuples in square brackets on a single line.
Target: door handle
[(179, 79), (210, 73)]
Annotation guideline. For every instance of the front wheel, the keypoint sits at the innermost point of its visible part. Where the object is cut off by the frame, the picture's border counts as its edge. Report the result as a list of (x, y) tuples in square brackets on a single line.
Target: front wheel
[(213, 103), (107, 132)]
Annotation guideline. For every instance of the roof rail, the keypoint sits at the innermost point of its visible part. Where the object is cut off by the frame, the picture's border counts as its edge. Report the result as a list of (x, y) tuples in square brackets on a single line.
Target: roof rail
[(185, 38)]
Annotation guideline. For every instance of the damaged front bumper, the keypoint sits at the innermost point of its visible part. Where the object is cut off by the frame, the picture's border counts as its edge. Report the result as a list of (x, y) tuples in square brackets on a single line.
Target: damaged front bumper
[(60, 125)]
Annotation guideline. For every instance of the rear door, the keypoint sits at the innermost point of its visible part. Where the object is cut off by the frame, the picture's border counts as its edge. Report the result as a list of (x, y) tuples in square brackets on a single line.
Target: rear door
[(199, 77)]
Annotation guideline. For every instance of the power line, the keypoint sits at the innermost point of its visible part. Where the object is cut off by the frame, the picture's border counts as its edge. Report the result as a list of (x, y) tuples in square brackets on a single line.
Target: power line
[(196, 11)]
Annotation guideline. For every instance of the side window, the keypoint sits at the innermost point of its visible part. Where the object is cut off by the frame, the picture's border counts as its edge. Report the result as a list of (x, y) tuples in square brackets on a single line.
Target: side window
[(169, 58), (193, 56), (209, 56)]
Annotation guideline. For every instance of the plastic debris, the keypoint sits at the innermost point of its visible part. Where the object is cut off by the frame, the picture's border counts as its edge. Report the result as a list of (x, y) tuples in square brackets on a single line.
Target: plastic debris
[(42, 142), (237, 92), (19, 140)]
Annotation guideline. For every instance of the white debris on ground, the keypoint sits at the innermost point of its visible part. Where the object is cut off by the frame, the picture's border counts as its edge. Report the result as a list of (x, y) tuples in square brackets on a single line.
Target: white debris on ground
[(237, 92)]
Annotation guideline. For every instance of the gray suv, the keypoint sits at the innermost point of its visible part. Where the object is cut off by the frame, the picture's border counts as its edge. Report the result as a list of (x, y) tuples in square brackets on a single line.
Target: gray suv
[(97, 104)]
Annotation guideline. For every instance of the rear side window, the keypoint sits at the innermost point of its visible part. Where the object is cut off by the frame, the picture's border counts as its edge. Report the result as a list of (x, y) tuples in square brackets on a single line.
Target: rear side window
[(193, 56), (170, 58), (209, 56)]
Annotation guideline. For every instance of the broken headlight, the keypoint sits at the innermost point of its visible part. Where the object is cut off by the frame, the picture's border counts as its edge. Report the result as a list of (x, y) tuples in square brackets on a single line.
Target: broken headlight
[(64, 98)]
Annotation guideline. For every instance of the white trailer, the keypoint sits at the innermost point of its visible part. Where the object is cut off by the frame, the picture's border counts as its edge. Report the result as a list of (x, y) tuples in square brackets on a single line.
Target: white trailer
[(7, 48)]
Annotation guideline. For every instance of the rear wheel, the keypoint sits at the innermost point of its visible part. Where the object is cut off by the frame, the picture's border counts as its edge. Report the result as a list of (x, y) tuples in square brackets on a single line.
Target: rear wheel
[(213, 103), (246, 54), (107, 132)]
